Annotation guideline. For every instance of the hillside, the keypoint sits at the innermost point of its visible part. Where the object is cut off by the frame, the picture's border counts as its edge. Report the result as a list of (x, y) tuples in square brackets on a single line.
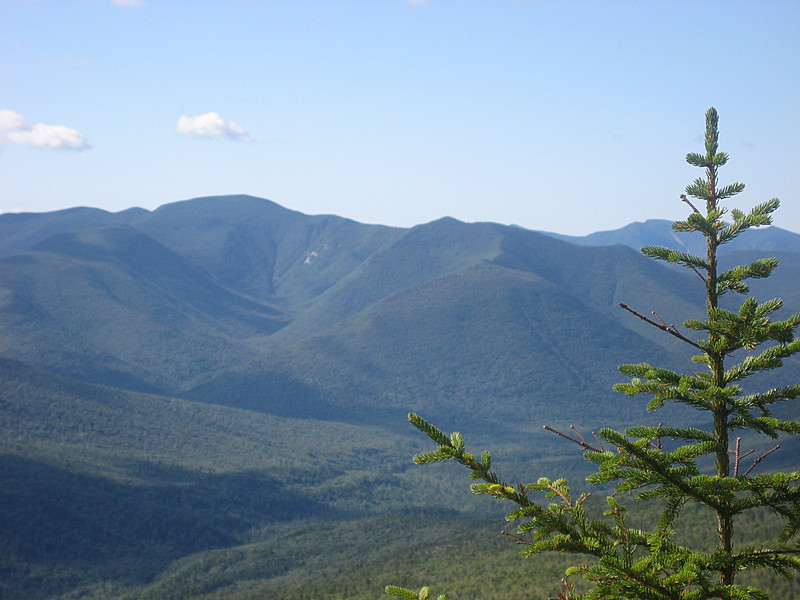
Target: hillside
[(219, 378), (113, 306)]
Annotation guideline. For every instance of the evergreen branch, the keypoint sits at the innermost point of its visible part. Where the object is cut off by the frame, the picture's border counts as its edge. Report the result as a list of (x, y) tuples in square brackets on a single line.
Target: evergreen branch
[(675, 256), (729, 190), (632, 563), (653, 468), (436, 434), (689, 434), (699, 189), (733, 279), (765, 424), (404, 594), (771, 396), (770, 306), (670, 330), (780, 561), (401, 592), (758, 216), (768, 207), (770, 358), (698, 160)]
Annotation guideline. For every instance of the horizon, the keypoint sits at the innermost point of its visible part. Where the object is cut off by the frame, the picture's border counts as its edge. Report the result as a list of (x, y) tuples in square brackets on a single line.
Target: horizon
[(558, 233), (570, 117)]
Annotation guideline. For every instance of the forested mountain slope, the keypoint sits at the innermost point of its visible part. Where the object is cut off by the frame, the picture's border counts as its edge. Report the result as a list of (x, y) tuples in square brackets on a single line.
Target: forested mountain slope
[(224, 371)]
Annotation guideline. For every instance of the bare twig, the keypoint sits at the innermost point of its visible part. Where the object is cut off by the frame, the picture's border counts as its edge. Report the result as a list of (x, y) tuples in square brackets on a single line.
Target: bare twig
[(520, 540), (578, 433), (599, 441), (669, 329), (685, 199), (580, 443), (698, 273), (569, 587), (659, 445), (738, 457), (760, 458), (662, 321)]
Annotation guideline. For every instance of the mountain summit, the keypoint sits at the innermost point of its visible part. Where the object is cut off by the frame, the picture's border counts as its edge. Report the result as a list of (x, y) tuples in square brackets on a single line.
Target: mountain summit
[(171, 377)]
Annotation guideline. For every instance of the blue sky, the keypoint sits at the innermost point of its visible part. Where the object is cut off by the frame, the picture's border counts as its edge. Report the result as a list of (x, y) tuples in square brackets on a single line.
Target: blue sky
[(566, 116)]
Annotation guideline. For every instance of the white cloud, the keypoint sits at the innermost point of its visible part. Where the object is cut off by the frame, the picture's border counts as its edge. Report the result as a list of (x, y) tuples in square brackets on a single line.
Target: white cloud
[(14, 128), (211, 125), (11, 120)]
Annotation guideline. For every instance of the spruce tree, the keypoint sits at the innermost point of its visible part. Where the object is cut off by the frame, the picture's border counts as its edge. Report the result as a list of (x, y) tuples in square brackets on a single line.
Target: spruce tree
[(674, 466)]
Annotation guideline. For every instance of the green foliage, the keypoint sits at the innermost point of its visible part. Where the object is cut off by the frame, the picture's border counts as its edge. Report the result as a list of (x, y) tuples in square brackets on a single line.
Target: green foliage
[(423, 594), (104, 484), (349, 559), (675, 466), (334, 559), (105, 489)]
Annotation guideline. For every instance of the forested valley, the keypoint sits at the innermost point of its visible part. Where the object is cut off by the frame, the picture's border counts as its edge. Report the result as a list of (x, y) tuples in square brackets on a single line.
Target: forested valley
[(209, 400)]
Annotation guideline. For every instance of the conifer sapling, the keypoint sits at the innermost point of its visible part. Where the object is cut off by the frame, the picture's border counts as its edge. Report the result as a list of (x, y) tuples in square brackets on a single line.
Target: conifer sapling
[(675, 465)]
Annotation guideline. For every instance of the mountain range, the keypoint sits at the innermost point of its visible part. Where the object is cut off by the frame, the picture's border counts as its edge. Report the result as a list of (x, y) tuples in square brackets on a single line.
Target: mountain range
[(659, 232), (222, 371)]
